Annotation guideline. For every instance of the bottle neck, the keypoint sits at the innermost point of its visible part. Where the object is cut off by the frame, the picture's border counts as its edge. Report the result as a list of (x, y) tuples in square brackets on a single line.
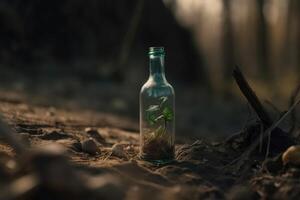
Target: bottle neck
[(157, 68)]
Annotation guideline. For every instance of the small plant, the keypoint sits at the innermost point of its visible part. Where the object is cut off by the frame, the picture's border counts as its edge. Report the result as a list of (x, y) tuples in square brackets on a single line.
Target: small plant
[(157, 113), (158, 143)]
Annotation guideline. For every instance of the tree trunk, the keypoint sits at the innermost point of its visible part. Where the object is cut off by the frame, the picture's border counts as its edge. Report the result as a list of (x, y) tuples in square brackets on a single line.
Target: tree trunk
[(228, 42), (262, 41)]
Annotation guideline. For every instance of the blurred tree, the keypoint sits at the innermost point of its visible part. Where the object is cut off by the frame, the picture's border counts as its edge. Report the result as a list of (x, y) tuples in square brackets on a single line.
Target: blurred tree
[(294, 28), (129, 39), (158, 27), (262, 40), (85, 35), (228, 41)]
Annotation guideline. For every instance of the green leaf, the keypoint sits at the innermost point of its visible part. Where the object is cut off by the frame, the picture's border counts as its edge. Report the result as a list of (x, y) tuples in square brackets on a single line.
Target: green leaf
[(151, 113), (159, 118), (168, 114), (153, 108), (163, 100), (151, 118)]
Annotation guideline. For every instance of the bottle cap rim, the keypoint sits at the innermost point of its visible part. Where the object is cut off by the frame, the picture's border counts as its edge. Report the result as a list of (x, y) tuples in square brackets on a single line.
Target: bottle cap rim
[(156, 51)]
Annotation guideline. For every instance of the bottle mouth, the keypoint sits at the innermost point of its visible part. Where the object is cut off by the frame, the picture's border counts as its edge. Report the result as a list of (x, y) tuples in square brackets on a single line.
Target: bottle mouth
[(156, 51)]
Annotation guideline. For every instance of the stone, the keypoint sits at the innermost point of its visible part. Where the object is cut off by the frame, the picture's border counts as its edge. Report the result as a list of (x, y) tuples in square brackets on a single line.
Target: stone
[(119, 151), (89, 146), (292, 156)]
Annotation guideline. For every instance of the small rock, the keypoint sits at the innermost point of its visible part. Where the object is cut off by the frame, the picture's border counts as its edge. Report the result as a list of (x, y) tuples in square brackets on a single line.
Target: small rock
[(90, 146), (119, 151), (292, 156)]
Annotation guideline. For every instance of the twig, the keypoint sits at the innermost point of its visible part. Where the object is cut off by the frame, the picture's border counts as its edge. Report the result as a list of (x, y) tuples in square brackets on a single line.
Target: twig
[(262, 114), (261, 138), (268, 144), (256, 105), (269, 130), (251, 97), (266, 133)]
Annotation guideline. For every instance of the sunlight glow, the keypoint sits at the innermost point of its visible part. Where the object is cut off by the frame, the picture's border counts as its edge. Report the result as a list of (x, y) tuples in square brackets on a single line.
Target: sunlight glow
[(275, 10), (189, 10)]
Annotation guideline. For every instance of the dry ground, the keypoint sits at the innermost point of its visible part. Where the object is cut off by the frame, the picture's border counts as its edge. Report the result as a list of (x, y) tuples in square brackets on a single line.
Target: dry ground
[(201, 170)]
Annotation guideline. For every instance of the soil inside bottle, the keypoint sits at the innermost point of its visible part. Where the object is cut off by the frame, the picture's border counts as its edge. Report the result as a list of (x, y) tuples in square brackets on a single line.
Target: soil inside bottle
[(158, 147)]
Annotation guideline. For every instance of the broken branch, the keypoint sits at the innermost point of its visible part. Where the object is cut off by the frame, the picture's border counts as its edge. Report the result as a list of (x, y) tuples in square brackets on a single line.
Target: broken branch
[(251, 97)]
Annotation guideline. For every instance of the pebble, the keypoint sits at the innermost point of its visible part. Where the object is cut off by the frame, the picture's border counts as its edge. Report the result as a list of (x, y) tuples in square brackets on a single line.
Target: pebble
[(90, 146), (119, 151), (292, 156)]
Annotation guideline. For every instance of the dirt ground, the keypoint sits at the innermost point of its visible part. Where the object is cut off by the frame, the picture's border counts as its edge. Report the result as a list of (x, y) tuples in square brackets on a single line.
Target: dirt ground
[(91, 155)]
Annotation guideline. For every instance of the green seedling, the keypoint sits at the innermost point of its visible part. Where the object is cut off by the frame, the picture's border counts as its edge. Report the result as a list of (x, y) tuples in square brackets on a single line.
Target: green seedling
[(159, 143), (160, 112)]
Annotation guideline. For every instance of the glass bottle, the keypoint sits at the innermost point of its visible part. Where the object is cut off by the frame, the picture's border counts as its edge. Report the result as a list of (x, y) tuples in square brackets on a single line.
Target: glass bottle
[(157, 113)]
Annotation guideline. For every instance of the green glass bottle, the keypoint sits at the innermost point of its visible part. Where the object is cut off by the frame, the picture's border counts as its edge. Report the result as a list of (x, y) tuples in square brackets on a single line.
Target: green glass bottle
[(157, 113)]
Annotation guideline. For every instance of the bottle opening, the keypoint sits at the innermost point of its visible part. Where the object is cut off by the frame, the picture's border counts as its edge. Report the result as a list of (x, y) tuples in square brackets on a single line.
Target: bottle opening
[(156, 51)]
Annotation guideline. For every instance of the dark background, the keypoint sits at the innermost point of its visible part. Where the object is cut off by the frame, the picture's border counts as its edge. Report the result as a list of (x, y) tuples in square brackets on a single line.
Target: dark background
[(92, 55)]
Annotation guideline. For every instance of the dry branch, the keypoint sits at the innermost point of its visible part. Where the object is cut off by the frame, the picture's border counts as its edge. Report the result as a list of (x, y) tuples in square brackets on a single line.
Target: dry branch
[(252, 98), (263, 116), (266, 134)]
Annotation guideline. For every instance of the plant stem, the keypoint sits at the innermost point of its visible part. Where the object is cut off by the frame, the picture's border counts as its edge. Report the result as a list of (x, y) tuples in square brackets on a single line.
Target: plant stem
[(165, 126)]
